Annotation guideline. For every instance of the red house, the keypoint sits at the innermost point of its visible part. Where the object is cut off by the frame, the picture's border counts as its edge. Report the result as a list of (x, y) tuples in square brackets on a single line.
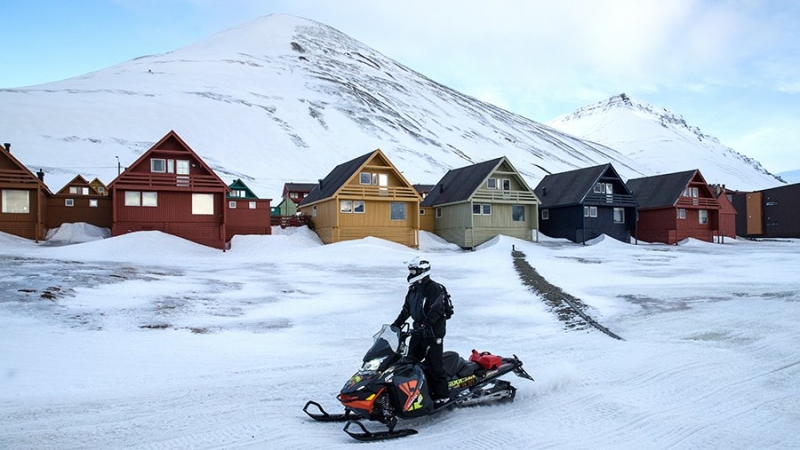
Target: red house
[(23, 198), (674, 207), (79, 201), (170, 189), (247, 214), (727, 212)]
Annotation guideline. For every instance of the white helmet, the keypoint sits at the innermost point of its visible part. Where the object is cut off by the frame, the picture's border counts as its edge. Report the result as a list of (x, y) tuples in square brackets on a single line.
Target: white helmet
[(418, 269)]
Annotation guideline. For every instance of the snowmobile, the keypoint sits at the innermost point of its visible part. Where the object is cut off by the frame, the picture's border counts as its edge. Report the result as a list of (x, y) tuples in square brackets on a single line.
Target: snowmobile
[(391, 385)]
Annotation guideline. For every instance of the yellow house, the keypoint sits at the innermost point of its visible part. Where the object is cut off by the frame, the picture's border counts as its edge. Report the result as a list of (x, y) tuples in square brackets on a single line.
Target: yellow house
[(366, 196)]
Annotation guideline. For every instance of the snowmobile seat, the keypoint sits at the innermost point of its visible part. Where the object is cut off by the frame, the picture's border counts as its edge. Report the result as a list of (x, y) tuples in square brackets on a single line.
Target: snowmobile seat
[(456, 366)]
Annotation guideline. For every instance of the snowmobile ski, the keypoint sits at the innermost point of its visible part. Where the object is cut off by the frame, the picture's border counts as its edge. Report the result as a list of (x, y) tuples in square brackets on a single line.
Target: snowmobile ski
[(371, 436), (323, 416)]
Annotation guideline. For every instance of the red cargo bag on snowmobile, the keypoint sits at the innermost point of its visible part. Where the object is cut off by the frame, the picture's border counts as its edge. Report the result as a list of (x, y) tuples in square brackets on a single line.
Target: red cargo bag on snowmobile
[(486, 359)]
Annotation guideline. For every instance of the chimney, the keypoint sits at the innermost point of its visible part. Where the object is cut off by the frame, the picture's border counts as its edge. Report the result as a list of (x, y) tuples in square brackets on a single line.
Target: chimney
[(7, 145), (441, 188), (320, 183), (40, 174), (544, 192)]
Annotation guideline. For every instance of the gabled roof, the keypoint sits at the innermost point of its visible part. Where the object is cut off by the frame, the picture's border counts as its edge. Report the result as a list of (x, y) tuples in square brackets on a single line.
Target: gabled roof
[(185, 148), (661, 190), (572, 187), (459, 185), (239, 185), (29, 177), (299, 187), (77, 181), (341, 174)]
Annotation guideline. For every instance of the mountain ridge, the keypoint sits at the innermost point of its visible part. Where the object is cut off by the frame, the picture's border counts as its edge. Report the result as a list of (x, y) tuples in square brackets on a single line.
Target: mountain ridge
[(274, 100)]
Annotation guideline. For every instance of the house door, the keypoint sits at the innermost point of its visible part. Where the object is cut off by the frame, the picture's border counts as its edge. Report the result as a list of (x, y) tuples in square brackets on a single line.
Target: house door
[(753, 208)]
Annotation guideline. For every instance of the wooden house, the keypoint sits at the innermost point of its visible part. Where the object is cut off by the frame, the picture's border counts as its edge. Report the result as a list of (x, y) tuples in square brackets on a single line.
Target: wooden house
[(366, 196), (79, 201), (583, 204), (769, 213), (293, 194), (170, 189), (246, 214), (23, 198), (426, 219), (475, 203), (727, 213), (674, 207), (99, 186)]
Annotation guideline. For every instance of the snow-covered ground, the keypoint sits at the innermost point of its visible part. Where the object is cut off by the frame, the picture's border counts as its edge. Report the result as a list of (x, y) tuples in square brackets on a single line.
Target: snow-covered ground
[(149, 341)]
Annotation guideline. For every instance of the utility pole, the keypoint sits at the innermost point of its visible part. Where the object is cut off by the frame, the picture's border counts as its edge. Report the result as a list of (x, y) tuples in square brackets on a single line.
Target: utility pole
[(119, 167)]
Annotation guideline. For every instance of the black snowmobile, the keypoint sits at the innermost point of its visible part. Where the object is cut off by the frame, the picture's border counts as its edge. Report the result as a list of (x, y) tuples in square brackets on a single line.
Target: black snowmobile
[(392, 385)]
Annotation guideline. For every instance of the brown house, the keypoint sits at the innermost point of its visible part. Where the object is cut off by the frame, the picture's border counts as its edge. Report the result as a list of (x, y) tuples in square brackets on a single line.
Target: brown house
[(366, 196), (674, 207), (247, 214), (23, 198), (170, 189), (99, 186), (78, 201)]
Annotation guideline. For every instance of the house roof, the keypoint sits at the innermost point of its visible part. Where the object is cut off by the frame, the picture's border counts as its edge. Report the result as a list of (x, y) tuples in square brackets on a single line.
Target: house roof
[(458, 185), (241, 186), (328, 186), (660, 190), (571, 187), (32, 178), (299, 187), (185, 147), (77, 181)]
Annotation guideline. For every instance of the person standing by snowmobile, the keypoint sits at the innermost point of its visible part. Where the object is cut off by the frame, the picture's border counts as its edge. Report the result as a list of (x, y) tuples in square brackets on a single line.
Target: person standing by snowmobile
[(425, 304)]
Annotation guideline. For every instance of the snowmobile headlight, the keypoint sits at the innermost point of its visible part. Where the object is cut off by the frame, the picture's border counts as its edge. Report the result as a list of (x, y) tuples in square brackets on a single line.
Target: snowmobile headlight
[(373, 364)]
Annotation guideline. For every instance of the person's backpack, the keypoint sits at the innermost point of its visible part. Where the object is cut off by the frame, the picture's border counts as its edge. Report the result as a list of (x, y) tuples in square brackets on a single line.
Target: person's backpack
[(448, 303)]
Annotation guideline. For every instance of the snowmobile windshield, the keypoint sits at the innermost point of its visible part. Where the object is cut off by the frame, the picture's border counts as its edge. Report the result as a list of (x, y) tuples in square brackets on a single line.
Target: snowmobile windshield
[(384, 347)]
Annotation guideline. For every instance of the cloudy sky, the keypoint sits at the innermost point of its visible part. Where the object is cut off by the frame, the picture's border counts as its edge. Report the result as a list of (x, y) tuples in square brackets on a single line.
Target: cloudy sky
[(730, 67)]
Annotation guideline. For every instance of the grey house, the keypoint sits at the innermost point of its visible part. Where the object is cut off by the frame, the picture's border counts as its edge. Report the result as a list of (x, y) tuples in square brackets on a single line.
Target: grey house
[(473, 204)]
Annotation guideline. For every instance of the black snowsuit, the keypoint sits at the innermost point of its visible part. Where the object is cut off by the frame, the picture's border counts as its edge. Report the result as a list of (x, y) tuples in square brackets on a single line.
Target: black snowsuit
[(424, 303)]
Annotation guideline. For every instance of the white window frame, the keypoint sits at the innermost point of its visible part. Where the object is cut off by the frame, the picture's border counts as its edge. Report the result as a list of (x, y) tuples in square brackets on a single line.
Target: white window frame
[(621, 211), (491, 183), (438, 213), (483, 209), (183, 167), (69, 202), (73, 190), (518, 219), (133, 198), (359, 206), (252, 205), (590, 211), (150, 199), (400, 209), (702, 216), (231, 204), (93, 203), (345, 206), (506, 184), (158, 165), (202, 204), (681, 213), (545, 214), (84, 191), (314, 211), (365, 178)]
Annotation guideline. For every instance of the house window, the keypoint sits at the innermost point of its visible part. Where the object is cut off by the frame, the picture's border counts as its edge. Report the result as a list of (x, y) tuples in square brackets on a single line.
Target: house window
[(170, 166), (619, 215), (603, 188), (518, 213), (158, 165), (681, 213), (293, 195), (365, 178), (69, 202), (232, 205), (252, 205), (101, 189), (482, 209), (73, 189), (314, 211), (438, 213), (149, 198), (203, 204), (16, 201), (346, 206), (491, 183), (398, 211), (359, 206), (703, 216), (238, 193), (421, 212), (590, 211), (85, 191), (93, 203), (691, 192), (133, 198), (545, 214), (182, 167), (506, 184)]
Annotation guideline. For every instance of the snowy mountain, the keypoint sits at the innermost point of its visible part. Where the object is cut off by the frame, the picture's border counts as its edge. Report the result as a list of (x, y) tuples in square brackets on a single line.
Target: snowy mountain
[(661, 141), (277, 99), (792, 176), (282, 99)]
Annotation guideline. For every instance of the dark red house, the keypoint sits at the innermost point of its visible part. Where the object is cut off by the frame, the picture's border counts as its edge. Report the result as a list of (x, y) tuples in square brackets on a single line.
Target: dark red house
[(170, 189), (727, 213), (247, 214), (79, 201), (675, 206), (23, 198)]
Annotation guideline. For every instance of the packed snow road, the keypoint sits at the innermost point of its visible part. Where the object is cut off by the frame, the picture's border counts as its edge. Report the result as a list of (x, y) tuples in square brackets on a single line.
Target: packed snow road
[(196, 348)]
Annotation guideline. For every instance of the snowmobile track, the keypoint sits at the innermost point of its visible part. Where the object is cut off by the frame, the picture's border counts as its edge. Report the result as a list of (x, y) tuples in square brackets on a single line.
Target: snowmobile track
[(569, 309)]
